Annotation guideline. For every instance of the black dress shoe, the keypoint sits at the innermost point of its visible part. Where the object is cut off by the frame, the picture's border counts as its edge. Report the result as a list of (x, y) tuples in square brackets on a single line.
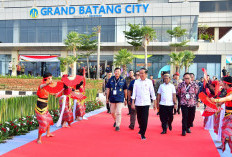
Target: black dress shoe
[(183, 133), (170, 127), (117, 128), (143, 137), (188, 130), (131, 127), (164, 132), (178, 112), (114, 124)]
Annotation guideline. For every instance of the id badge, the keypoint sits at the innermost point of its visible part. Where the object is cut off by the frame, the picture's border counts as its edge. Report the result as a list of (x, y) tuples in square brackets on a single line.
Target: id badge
[(114, 92), (187, 96)]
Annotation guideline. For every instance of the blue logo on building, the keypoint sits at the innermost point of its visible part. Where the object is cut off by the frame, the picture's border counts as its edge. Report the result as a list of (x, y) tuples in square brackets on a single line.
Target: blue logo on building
[(34, 13)]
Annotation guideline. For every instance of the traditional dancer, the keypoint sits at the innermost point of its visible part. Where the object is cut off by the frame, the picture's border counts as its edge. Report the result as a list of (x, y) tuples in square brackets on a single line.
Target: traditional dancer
[(227, 120), (212, 90), (67, 96), (43, 116), (65, 107), (219, 117), (79, 105)]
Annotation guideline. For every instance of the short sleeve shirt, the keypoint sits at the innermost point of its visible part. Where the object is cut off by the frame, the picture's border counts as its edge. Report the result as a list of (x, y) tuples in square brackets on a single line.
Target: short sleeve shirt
[(118, 85)]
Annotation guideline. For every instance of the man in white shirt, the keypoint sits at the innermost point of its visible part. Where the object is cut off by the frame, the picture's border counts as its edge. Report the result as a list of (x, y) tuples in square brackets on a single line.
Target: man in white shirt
[(143, 92), (10, 68), (166, 100)]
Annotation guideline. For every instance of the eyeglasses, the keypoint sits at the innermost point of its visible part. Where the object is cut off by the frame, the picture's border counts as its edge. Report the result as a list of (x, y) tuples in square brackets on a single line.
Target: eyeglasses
[(187, 78)]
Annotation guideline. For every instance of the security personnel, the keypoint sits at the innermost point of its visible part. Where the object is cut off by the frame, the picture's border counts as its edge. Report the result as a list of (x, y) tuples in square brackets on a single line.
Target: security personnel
[(116, 92)]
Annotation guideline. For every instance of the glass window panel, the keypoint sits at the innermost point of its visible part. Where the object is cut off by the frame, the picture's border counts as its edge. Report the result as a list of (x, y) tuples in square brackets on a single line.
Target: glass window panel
[(23, 35), (139, 20), (147, 20), (3, 35), (185, 19), (95, 21), (165, 36), (167, 20), (9, 23), (207, 6), (120, 34), (158, 30), (187, 27), (193, 69), (157, 20), (176, 21), (31, 23), (121, 21), (218, 70), (130, 20), (222, 6), (211, 69), (9, 35), (78, 22), (55, 22), (32, 35), (44, 34), (2, 23)]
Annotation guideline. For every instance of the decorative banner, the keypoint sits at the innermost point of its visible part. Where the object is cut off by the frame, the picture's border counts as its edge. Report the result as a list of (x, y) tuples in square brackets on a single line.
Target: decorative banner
[(143, 64), (141, 56), (39, 58)]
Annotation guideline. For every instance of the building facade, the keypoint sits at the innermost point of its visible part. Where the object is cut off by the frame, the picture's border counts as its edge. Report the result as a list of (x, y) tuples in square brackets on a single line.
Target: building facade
[(37, 28)]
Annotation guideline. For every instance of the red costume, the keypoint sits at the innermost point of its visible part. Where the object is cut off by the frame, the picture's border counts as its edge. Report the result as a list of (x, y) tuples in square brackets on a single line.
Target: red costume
[(43, 116), (227, 123)]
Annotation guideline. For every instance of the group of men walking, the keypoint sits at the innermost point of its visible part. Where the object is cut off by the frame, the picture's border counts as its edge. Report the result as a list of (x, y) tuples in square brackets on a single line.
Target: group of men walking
[(139, 93)]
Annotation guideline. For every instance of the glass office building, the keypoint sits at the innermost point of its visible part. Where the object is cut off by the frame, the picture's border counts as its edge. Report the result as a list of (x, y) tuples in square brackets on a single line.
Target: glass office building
[(29, 28)]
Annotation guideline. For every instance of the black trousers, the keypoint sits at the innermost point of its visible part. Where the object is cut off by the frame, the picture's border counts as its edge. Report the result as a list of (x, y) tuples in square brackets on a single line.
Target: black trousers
[(166, 115), (129, 106), (188, 115), (142, 116), (178, 108), (108, 106)]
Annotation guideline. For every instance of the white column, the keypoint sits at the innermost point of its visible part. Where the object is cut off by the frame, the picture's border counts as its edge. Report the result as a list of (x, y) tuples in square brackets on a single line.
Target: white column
[(16, 32), (64, 29), (14, 60), (223, 63), (216, 34)]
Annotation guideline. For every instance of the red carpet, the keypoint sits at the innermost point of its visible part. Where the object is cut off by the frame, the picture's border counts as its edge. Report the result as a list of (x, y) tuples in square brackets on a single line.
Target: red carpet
[(96, 137)]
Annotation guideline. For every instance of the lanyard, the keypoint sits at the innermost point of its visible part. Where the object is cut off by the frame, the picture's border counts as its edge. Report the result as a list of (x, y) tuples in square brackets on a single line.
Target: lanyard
[(187, 88), (116, 83)]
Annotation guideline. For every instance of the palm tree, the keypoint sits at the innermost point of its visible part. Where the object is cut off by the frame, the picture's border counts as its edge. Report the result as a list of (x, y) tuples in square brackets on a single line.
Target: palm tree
[(134, 36), (176, 60), (177, 32), (123, 58), (148, 34), (188, 59), (89, 46), (73, 42)]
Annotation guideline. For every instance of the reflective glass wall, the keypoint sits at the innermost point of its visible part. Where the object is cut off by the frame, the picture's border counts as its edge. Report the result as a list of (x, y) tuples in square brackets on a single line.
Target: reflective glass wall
[(212, 63), (55, 30)]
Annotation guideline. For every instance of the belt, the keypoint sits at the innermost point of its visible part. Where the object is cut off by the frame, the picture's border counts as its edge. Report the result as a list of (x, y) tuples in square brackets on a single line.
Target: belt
[(228, 111), (41, 111), (42, 100)]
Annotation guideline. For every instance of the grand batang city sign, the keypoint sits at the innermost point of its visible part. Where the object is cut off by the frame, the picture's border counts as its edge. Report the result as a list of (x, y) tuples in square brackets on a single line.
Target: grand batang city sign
[(93, 10)]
